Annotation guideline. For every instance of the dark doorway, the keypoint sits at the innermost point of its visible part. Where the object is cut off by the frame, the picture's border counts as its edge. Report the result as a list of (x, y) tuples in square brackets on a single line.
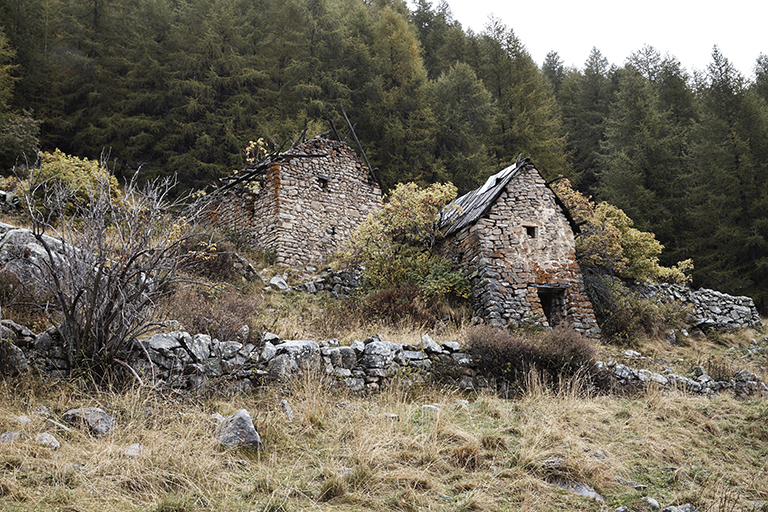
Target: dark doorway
[(553, 303)]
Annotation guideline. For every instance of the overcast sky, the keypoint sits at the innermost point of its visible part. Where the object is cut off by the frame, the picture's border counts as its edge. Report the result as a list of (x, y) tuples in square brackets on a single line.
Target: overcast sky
[(683, 28)]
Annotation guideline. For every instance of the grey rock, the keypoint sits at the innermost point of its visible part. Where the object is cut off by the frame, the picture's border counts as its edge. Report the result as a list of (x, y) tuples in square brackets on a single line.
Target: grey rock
[(278, 283), (282, 367), (15, 361), (652, 503), (228, 349), (378, 354), (357, 346), (305, 354), (579, 488), (467, 383), (451, 346), (430, 408), (200, 347), (355, 383), (461, 358), (133, 450), (341, 357), (24, 421), (96, 420), (287, 410), (268, 352), (237, 431), (47, 440), (10, 437), (270, 338), (429, 345), (163, 343)]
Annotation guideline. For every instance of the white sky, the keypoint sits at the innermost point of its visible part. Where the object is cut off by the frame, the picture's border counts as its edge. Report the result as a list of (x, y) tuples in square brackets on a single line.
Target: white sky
[(683, 28)]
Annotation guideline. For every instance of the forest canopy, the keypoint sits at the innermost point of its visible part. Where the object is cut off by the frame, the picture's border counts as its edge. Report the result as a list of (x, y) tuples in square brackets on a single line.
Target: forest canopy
[(181, 87)]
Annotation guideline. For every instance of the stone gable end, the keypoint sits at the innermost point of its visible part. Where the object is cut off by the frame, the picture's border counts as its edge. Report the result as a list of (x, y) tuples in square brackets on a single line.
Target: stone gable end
[(520, 258), (305, 205)]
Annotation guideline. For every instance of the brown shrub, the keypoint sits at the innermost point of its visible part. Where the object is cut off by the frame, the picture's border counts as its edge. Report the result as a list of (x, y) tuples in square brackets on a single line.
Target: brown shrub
[(406, 303), (557, 354), (221, 315)]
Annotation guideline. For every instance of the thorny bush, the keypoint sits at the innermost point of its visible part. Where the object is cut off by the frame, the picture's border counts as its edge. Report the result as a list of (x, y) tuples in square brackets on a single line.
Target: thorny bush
[(111, 258)]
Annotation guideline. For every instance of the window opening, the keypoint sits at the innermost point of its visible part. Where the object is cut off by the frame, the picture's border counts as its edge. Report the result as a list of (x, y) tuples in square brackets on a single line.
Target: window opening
[(531, 231), (323, 182)]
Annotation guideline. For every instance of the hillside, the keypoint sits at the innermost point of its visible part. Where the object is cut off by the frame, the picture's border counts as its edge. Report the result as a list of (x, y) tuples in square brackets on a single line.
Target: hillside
[(421, 448)]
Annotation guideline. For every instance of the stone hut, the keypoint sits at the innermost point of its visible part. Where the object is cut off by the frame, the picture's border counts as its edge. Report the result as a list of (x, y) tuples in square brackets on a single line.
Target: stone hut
[(514, 239), (301, 204)]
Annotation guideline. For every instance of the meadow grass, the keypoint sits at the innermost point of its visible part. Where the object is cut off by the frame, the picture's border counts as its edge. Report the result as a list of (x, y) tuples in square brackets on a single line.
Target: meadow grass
[(351, 452)]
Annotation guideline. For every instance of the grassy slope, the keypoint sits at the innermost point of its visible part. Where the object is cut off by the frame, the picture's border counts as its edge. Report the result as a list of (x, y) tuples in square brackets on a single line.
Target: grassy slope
[(341, 452)]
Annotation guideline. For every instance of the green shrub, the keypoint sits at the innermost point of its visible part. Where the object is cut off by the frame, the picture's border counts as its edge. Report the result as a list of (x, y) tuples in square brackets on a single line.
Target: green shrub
[(81, 180), (401, 275)]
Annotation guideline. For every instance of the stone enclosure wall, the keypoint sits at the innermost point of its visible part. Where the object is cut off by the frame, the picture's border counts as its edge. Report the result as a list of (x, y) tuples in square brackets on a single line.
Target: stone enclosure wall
[(303, 208), (711, 309), (194, 363), (521, 260)]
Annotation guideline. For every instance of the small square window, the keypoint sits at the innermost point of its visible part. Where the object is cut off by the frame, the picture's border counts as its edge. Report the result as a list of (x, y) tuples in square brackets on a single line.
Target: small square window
[(323, 182), (531, 231)]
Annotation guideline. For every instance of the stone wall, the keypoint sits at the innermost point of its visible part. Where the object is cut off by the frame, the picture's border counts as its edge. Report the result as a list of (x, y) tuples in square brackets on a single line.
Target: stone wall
[(304, 207), (521, 260), (711, 309), (194, 363)]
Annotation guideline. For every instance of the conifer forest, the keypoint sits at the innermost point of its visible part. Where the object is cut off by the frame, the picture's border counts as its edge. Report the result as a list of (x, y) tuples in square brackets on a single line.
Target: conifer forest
[(182, 86)]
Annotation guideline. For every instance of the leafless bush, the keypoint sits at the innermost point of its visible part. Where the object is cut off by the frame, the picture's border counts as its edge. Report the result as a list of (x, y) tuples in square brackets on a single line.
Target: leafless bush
[(111, 258)]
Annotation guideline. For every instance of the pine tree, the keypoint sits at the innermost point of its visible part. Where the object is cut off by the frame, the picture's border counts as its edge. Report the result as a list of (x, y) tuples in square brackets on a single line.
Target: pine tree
[(731, 185), (585, 98), (464, 109), (527, 121)]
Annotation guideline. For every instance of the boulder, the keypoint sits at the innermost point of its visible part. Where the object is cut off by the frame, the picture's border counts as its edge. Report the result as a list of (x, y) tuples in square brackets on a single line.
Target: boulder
[(237, 431), (12, 359), (47, 440), (278, 283), (427, 344)]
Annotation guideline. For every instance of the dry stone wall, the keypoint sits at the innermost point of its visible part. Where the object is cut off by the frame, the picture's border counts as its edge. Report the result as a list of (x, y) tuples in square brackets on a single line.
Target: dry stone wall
[(193, 363), (711, 309), (521, 260), (305, 206)]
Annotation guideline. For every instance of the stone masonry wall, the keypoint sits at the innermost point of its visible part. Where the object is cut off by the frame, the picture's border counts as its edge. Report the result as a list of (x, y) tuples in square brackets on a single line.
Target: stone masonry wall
[(307, 206), (711, 309), (521, 250)]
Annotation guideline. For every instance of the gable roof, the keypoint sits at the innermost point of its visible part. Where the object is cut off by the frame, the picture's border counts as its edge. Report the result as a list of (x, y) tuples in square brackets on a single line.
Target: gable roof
[(467, 209)]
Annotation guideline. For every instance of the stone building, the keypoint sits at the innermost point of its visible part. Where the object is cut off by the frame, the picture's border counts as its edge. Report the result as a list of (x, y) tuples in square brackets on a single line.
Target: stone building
[(301, 204), (514, 239)]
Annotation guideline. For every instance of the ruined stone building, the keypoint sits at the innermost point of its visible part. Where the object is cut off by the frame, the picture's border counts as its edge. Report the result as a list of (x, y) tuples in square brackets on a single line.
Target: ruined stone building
[(514, 240), (301, 204)]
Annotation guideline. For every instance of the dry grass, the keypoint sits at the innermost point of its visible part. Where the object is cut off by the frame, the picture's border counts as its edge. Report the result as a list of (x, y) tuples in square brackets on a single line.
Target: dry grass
[(347, 452)]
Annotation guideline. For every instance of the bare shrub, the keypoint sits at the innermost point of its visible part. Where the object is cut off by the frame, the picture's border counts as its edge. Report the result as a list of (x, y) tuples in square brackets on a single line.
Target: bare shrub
[(552, 356), (111, 258), (221, 315)]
